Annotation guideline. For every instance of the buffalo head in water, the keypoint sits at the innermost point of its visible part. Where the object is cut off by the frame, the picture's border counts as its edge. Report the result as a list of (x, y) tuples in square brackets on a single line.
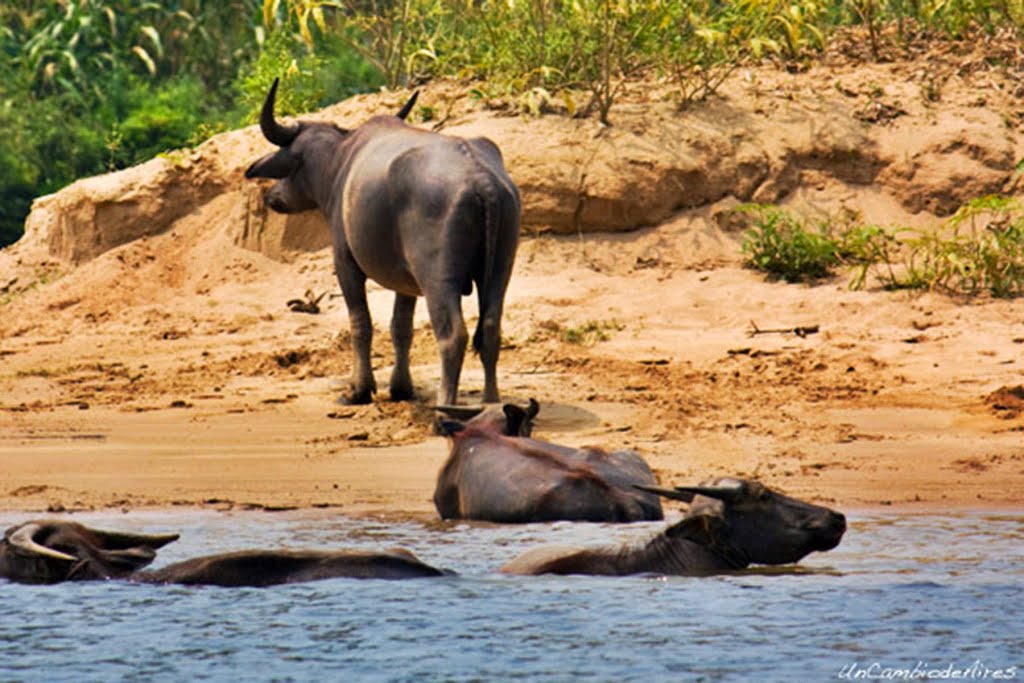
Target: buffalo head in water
[(421, 214), (732, 523), (496, 473), (54, 551)]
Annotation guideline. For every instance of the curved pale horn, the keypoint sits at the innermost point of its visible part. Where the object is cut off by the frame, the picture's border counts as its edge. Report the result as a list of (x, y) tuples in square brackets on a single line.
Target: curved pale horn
[(407, 107), (459, 412), (279, 134), (23, 540)]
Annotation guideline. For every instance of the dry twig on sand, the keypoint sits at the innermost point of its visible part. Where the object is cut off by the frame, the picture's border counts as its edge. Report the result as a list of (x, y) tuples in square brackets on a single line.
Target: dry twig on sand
[(801, 331)]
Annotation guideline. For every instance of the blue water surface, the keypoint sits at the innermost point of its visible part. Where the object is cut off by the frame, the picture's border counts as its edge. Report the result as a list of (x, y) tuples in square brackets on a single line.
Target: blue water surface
[(900, 591)]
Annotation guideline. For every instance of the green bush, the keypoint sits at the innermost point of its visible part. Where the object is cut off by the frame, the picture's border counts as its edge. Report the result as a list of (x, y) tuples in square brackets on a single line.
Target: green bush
[(282, 56), (984, 254), (90, 85), (782, 244), (96, 85), (980, 250)]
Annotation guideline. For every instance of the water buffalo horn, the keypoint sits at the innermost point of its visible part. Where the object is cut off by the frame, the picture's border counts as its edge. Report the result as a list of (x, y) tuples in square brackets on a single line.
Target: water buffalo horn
[(280, 135), (667, 493), (459, 412), (120, 539), (404, 111), (23, 540), (532, 409), (727, 494)]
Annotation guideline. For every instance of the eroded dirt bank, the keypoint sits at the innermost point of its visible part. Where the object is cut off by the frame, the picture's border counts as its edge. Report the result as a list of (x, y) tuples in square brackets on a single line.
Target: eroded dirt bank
[(147, 356)]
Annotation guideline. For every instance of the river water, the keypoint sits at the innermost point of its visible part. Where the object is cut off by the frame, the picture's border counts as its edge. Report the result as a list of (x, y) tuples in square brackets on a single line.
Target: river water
[(921, 593)]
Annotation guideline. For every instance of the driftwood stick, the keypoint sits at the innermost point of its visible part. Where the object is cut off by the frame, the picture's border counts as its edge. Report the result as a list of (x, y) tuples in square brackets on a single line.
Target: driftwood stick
[(801, 331)]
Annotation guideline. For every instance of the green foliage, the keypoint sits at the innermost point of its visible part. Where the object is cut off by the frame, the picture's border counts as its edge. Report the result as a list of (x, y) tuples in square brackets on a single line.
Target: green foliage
[(868, 248), (158, 120), (70, 46), (88, 86), (782, 244), (980, 251), (590, 332), (983, 254), (93, 85), (282, 56)]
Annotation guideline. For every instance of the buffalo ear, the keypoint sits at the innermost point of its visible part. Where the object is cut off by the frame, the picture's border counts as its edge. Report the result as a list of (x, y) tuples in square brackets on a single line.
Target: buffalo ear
[(279, 164), (700, 529), (450, 427), (517, 420)]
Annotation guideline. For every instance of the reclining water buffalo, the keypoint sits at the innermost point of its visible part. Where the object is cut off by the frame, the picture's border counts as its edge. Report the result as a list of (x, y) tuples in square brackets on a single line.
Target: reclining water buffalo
[(55, 551), (420, 213), (731, 524), (496, 473)]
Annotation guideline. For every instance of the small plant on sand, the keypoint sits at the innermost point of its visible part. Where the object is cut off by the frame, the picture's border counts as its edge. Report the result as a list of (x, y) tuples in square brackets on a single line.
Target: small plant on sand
[(783, 244), (869, 248), (590, 332), (980, 250), (983, 252)]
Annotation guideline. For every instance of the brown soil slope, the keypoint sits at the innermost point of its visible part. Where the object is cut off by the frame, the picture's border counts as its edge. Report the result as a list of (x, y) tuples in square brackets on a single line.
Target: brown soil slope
[(147, 356)]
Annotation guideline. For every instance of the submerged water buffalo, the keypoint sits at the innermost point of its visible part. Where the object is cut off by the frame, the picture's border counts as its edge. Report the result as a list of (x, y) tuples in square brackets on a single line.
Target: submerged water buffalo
[(420, 213), (731, 524), (54, 551), (496, 473), (272, 567)]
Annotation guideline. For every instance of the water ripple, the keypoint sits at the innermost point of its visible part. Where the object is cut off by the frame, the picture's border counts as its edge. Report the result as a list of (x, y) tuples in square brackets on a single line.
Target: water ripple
[(900, 589)]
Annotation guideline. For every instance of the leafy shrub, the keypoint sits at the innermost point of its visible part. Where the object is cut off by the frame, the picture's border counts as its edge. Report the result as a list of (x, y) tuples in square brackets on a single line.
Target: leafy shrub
[(980, 250), (160, 118), (984, 253), (782, 244), (282, 56)]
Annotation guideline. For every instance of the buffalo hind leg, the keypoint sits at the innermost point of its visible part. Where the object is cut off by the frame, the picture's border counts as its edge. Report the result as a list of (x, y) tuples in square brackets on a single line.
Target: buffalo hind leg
[(487, 342), (450, 331), (353, 287), (401, 337)]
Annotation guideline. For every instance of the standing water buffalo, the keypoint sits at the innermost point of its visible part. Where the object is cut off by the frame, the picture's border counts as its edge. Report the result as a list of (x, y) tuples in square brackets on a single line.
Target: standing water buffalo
[(496, 473), (731, 524), (422, 214), (55, 551)]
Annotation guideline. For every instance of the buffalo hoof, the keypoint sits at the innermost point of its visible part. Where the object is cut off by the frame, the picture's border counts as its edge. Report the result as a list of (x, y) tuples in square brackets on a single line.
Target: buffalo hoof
[(361, 398), (402, 394)]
